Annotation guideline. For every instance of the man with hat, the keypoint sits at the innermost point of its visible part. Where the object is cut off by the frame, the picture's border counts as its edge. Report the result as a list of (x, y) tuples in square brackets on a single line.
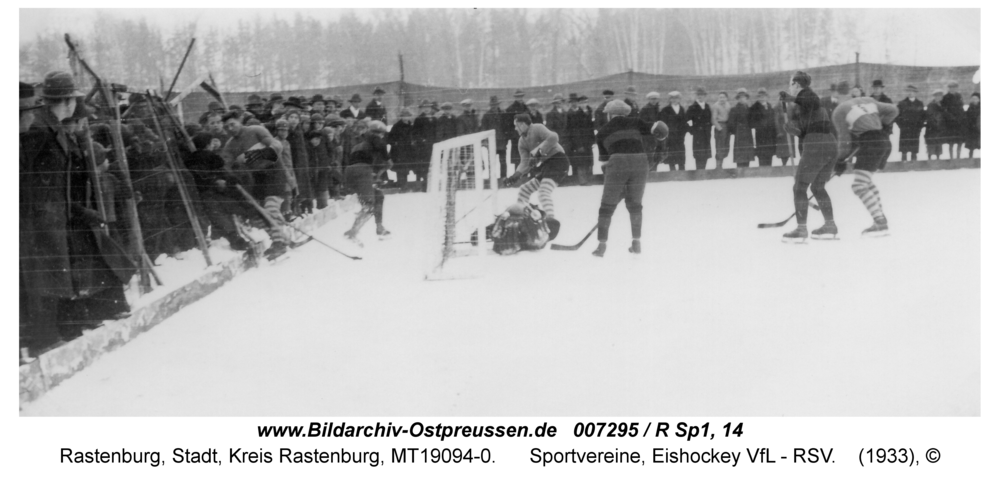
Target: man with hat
[(625, 167), (71, 271), (973, 118), (720, 124), (401, 147), (281, 129), (447, 124), (649, 113), (741, 129), (936, 132), (675, 117), (910, 121), (318, 104), (536, 115), (699, 114), (495, 119), (424, 135), (954, 120), (878, 95), (555, 120), (860, 124), (515, 108), (600, 117), (468, 121), (354, 111), (292, 104), (580, 140), (762, 122), (630, 99), (255, 105), (375, 109)]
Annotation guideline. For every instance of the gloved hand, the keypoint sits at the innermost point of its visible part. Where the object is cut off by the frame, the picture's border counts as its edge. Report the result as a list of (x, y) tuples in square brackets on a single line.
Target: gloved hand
[(839, 168), (512, 180)]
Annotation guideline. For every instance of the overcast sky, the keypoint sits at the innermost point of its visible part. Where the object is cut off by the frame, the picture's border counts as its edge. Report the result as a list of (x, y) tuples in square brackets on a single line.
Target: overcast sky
[(925, 37)]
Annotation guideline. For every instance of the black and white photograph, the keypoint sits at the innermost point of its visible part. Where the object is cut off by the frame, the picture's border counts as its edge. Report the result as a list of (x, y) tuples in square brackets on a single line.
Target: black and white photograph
[(500, 212)]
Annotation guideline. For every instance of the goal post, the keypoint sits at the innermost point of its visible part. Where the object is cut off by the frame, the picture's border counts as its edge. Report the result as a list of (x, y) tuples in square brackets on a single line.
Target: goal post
[(461, 186)]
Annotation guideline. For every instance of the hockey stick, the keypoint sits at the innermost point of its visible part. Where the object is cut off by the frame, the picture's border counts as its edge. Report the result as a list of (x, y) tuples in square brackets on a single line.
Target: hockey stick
[(556, 246), (783, 222), (271, 221)]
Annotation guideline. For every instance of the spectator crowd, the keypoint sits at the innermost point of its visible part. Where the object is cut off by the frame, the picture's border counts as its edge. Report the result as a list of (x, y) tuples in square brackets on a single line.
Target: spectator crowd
[(291, 153)]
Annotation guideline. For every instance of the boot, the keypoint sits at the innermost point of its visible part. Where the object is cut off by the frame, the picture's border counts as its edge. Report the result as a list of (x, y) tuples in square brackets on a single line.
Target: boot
[(879, 229), (276, 250), (601, 247), (636, 247), (827, 232), (382, 233), (799, 235)]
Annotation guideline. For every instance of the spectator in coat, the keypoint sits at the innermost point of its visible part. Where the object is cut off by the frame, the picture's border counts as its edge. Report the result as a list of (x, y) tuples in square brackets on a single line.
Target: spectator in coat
[(301, 162), (954, 120), (354, 111), (650, 113), (675, 117), (334, 130), (402, 149), (878, 95), (631, 98), (972, 124), (936, 131), (910, 121), (534, 112), (287, 166), (784, 144), (720, 125), (762, 121), (447, 124), (495, 119), (375, 109), (600, 117), (555, 120), (739, 124), (580, 139), (255, 105), (424, 134), (468, 121), (515, 108), (699, 115)]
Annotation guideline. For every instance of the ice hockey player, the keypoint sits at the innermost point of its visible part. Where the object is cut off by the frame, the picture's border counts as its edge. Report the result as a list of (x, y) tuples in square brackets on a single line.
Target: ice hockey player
[(545, 161), (520, 227), (810, 122), (369, 153), (625, 166), (862, 123)]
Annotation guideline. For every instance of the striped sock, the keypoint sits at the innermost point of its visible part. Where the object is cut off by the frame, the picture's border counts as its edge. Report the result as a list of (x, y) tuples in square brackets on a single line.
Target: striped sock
[(272, 204), (865, 189), (524, 194), (545, 197)]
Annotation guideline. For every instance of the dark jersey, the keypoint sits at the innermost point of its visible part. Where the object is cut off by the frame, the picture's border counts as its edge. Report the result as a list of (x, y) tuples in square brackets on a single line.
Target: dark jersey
[(622, 135)]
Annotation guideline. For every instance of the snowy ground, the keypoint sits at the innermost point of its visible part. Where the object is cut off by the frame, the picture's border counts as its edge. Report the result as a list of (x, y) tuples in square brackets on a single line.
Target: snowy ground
[(715, 318)]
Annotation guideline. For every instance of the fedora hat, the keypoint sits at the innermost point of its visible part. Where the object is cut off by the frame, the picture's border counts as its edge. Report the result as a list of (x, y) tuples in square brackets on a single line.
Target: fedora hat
[(58, 85)]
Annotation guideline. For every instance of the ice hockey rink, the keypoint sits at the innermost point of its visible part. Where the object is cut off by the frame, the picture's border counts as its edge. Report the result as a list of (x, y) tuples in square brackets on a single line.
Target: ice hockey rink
[(715, 318)]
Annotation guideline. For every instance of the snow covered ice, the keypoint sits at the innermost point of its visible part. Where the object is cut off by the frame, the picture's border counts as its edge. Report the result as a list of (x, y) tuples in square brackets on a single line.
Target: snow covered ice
[(716, 317)]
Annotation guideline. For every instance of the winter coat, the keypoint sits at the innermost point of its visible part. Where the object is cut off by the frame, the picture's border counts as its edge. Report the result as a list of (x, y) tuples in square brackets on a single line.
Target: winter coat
[(700, 119), (375, 111), (62, 254), (910, 121), (739, 126), (555, 120), (536, 117), (302, 164), (446, 128), (579, 129), (761, 118), (677, 122), (507, 122), (972, 120), (468, 122), (424, 134), (347, 114), (494, 119), (936, 130), (954, 118), (401, 143)]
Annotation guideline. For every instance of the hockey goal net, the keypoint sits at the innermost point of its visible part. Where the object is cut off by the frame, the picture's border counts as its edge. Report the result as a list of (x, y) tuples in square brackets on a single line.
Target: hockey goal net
[(461, 186)]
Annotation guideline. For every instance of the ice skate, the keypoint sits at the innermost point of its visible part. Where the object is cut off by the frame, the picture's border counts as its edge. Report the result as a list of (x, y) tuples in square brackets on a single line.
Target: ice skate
[(276, 251), (352, 237), (601, 247), (799, 235), (382, 233), (827, 232), (636, 247), (879, 229), (553, 227)]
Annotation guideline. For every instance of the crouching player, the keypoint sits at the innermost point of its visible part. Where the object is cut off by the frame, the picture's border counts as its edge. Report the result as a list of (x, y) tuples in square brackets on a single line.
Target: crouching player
[(545, 161), (625, 165), (520, 227)]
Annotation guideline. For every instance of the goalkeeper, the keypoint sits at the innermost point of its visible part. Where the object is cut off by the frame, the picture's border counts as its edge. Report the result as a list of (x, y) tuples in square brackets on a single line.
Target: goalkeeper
[(545, 161), (625, 165)]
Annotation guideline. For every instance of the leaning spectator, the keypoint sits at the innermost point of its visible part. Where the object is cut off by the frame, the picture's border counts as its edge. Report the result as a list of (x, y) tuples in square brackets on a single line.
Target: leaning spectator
[(934, 135), (910, 121), (720, 120), (675, 117), (375, 109), (954, 120), (649, 113), (972, 124), (699, 114), (762, 121), (739, 124)]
